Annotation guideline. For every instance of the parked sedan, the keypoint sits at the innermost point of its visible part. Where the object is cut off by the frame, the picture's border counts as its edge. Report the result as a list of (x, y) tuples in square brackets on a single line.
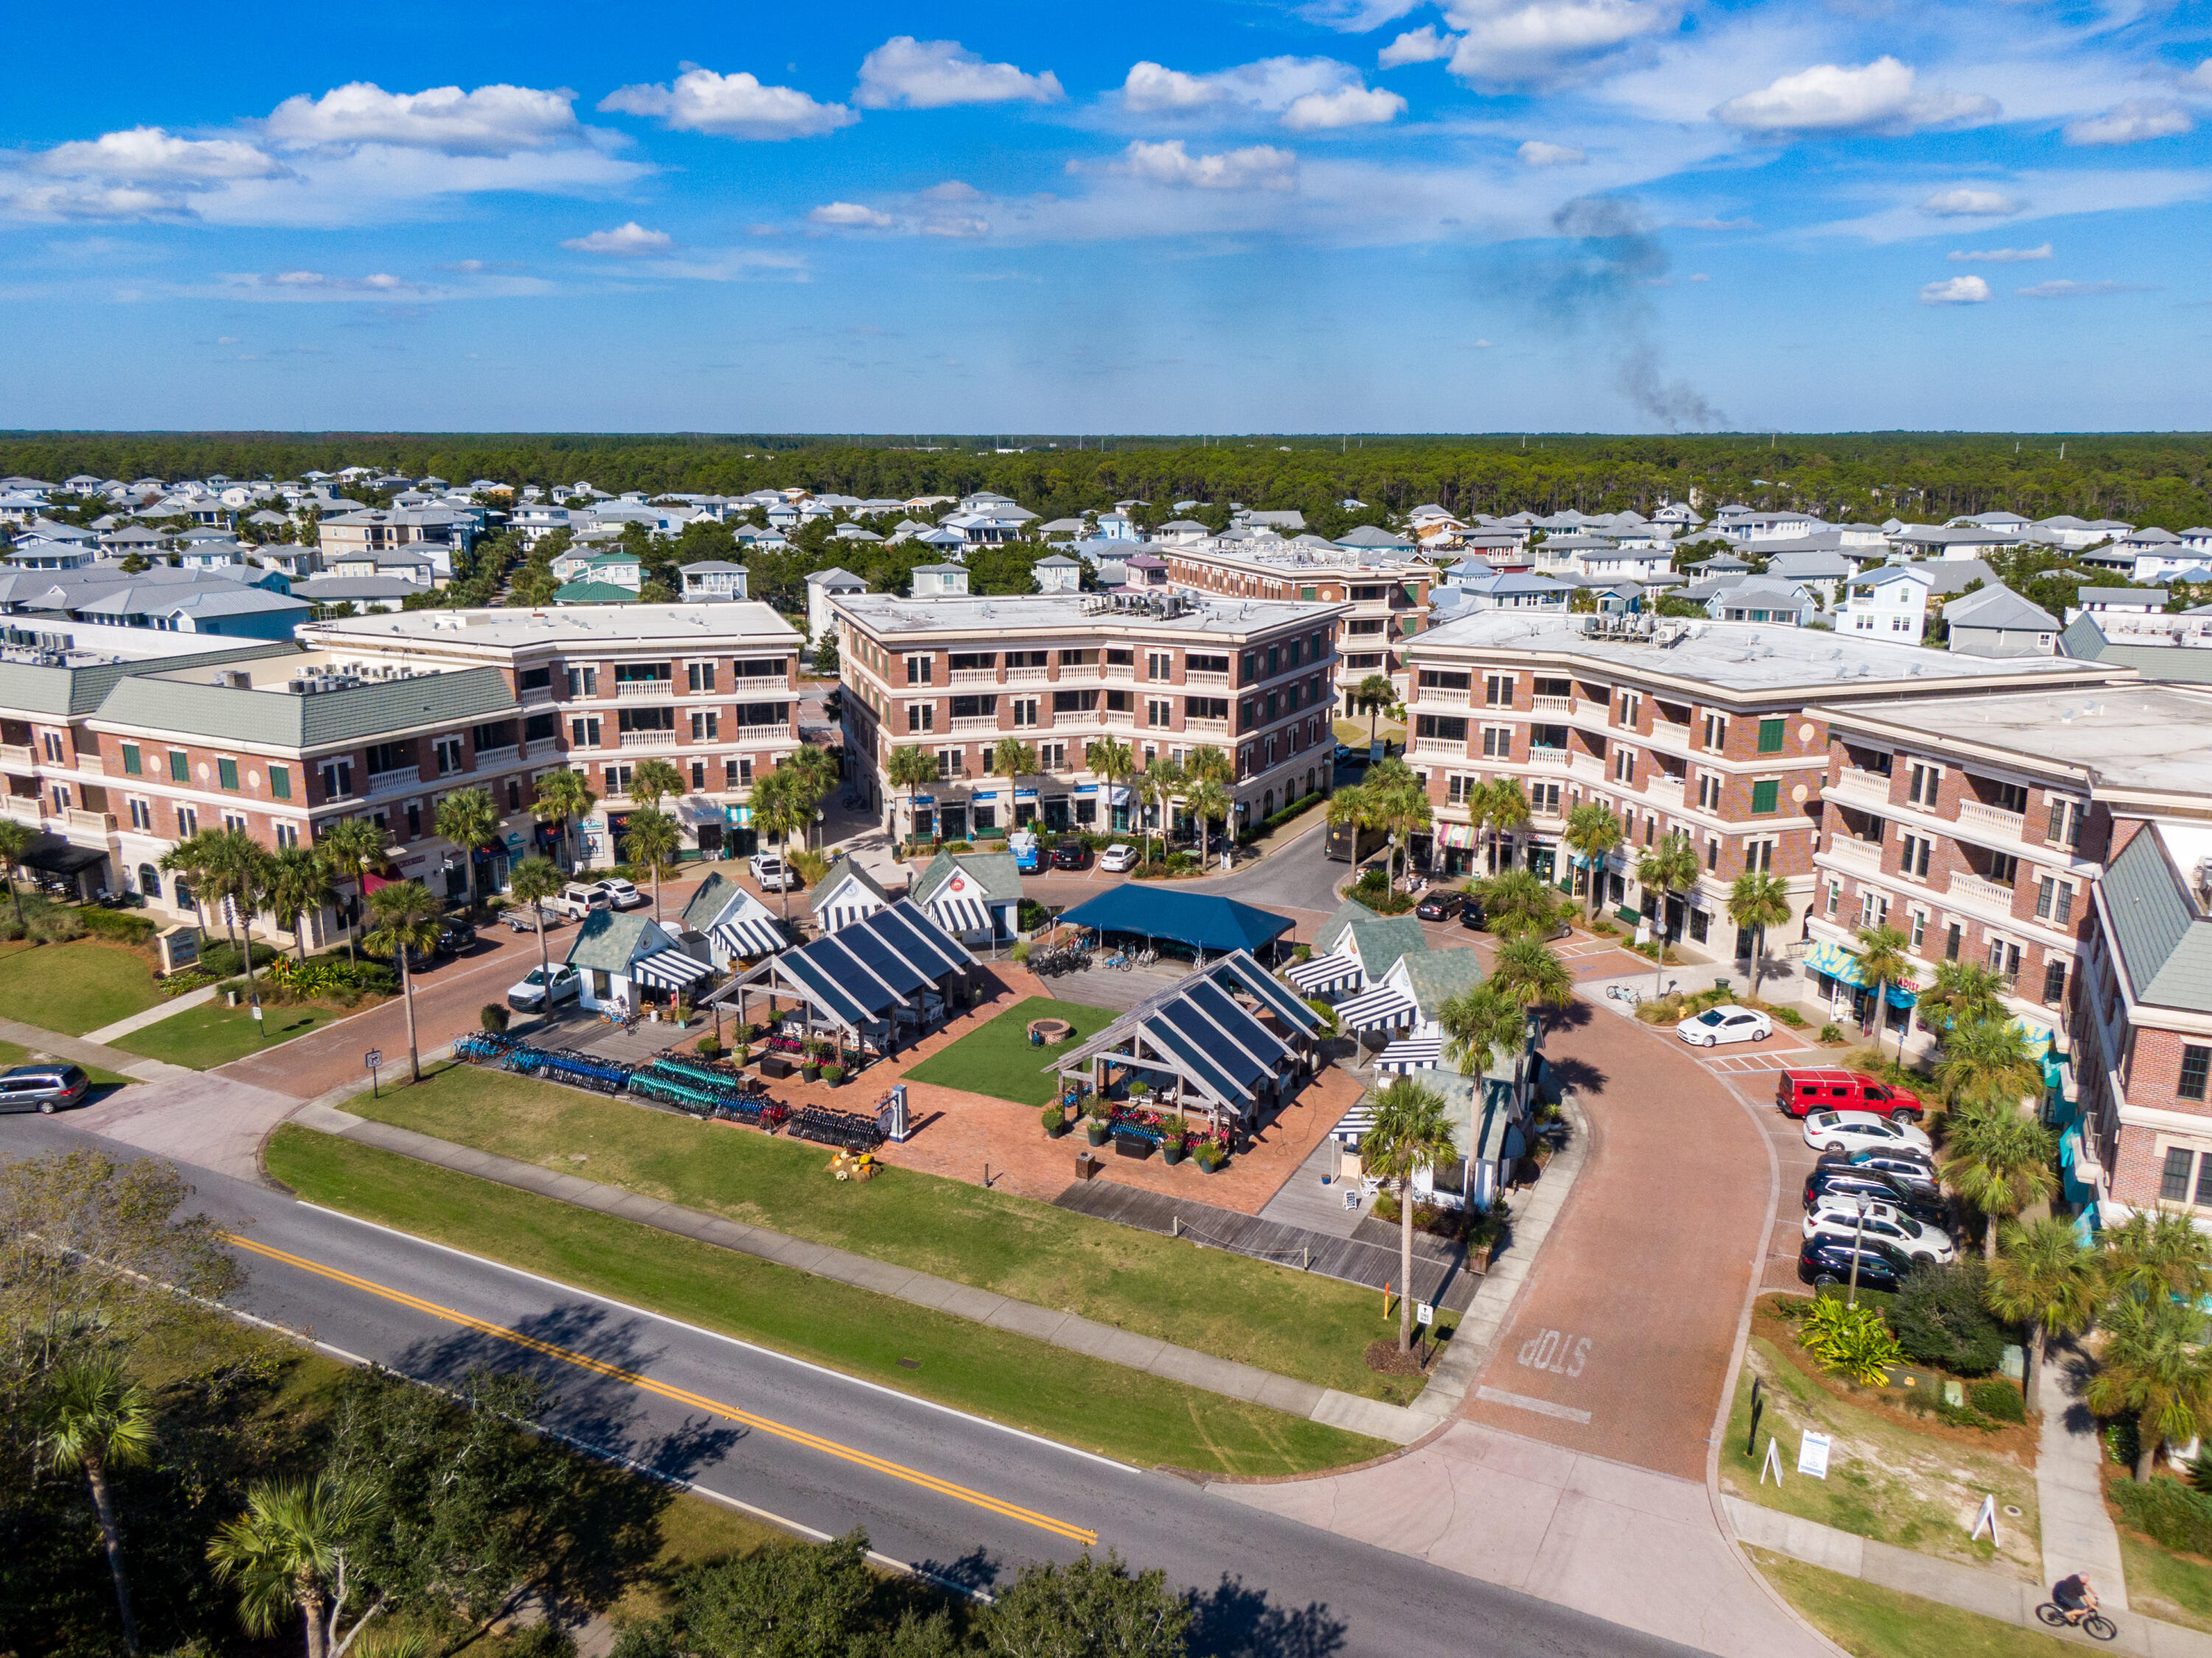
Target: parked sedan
[(1839, 1217), (1848, 1131), (1825, 1262), (1440, 906), (1906, 1162), (1117, 859), (1717, 1025)]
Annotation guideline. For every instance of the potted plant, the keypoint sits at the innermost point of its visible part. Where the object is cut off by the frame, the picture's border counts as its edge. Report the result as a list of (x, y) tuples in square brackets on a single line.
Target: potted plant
[(1056, 1120), (709, 1049), (833, 1073), (810, 1069), (683, 1011), (741, 1038), (1096, 1127), (1209, 1156)]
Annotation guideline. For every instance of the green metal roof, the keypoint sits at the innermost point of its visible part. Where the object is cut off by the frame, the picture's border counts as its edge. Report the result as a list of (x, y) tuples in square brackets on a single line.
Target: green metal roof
[(65, 691), (1436, 976), (595, 592), (1384, 940), (1350, 909), (610, 939), (997, 873), (281, 719), (2166, 949), (707, 904)]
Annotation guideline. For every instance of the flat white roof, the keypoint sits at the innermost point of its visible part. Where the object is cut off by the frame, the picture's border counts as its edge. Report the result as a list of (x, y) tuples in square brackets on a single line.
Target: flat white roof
[(744, 622), (1199, 612), (2130, 735)]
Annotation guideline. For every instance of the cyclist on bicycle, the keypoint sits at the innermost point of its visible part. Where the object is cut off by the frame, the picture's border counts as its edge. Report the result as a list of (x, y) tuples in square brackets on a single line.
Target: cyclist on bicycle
[(2074, 1597)]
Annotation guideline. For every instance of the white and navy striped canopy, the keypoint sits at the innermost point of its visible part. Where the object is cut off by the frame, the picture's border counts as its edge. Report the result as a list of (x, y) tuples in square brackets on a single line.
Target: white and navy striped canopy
[(961, 912), (668, 970), (1385, 1007), (1325, 975), (838, 917), (1412, 1053), (1353, 1124), (750, 936)]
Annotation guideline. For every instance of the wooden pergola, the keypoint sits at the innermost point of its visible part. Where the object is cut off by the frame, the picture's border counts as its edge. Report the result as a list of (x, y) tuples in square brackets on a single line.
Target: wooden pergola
[(867, 980)]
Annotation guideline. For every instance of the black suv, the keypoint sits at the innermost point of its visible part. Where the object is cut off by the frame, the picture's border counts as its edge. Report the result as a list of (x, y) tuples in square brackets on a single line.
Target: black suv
[(1921, 1199), (1470, 913), (459, 933), (1439, 906), (1069, 852), (1826, 1261)]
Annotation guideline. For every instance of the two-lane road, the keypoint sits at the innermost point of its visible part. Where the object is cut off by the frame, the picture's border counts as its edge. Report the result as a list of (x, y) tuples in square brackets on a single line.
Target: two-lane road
[(960, 1498)]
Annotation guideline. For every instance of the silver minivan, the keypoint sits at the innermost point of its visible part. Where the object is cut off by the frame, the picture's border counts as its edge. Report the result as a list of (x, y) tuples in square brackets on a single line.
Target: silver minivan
[(47, 1088)]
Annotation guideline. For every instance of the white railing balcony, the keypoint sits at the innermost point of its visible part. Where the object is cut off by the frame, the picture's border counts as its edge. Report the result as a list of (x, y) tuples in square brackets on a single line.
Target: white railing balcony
[(1664, 791), (1553, 704), (1451, 747), (1557, 758), (975, 722), (91, 764), (973, 676), (1588, 765), (1028, 675), (761, 733), (1444, 696), (1986, 892), (1665, 731), (1118, 671), (97, 823), (751, 690), (535, 694), (648, 739), (1855, 854), (628, 688), (1853, 787), (24, 809), (1117, 716), (1207, 728), (503, 756), (401, 776), (1973, 814), (1205, 676), (17, 757)]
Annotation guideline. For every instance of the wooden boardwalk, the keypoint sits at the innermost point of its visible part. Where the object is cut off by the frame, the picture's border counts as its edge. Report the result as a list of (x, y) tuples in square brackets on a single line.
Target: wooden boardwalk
[(1437, 1272)]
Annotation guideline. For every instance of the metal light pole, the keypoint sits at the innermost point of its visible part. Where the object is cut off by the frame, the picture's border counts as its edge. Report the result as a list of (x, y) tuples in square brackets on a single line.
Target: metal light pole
[(1859, 1238)]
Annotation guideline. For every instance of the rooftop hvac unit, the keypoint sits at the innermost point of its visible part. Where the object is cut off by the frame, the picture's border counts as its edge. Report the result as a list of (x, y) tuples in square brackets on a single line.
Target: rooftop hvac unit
[(297, 687)]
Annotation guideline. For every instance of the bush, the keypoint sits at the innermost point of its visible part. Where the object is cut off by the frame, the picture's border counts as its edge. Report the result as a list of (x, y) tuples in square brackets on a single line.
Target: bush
[(115, 923), (1019, 954), (2000, 1400), (493, 1016), (1941, 1320), (1788, 1016), (1856, 1340), (1055, 1119), (1210, 1156), (56, 927), (225, 960), (2167, 1512), (1327, 1014), (2122, 1443), (1029, 916), (1831, 1035), (833, 1073), (709, 1048)]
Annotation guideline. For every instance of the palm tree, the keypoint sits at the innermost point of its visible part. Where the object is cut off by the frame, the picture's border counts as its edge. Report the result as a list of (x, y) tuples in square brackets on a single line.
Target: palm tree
[(532, 881), (1357, 806), (1500, 805), (289, 1553), (563, 797), (2150, 1257), (1997, 1162), (1516, 903), (1960, 993), (654, 780), (1207, 799), (2153, 1367), (1527, 974), (779, 811), (1882, 964), (468, 818), (1403, 807), (1986, 1063), (912, 768), (818, 775), (1480, 1026), (1164, 781), (1669, 868), (1410, 1131), (299, 887), (15, 840), (2044, 1278), (405, 917), (354, 848), (1593, 832), (652, 842), (92, 1419), (1013, 759), (1758, 900), (1111, 762), (1371, 697), (228, 865)]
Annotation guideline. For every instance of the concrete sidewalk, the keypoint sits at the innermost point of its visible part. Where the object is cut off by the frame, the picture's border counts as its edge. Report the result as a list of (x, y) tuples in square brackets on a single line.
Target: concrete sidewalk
[(1398, 1424), (154, 1015), (86, 1051), (2078, 1533)]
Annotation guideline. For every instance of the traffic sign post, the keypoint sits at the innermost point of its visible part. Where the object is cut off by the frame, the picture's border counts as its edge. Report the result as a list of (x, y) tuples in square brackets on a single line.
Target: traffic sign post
[(372, 1060)]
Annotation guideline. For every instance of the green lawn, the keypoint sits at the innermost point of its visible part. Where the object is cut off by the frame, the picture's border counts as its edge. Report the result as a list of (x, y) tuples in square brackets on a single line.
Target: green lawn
[(14, 1053), (1011, 1379), (212, 1034), (2177, 1588), (1295, 1324), (74, 988), (1868, 1621), (997, 1058)]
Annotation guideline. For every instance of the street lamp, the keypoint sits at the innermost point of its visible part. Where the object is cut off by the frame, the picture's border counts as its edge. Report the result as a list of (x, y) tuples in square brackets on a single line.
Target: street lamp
[(1858, 1239)]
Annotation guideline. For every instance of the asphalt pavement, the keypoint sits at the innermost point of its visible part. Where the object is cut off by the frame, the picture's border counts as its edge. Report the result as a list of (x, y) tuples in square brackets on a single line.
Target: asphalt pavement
[(964, 1500)]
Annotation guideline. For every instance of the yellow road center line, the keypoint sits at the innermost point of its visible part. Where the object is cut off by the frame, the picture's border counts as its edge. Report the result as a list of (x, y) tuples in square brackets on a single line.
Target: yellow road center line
[(681, 1396)]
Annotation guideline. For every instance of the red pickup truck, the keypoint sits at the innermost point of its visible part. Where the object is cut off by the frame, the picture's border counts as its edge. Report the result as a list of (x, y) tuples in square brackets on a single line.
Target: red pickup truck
[(1799, 1092)]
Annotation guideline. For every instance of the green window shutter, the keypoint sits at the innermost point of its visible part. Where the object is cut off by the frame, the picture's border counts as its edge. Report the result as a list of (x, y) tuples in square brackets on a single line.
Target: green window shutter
[(1770, 736), (180, 766), (280, 781), (227, 771), (1764, 796), (132, 765), (1306, 593)]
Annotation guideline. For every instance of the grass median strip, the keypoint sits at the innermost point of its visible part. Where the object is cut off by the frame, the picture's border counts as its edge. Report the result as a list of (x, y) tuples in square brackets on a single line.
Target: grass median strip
[(1302, 1325), (1869, 1621), (1011, 1378)]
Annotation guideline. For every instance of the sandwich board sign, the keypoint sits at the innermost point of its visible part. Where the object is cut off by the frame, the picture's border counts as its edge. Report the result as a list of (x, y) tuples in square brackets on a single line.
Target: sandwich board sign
[(1813, 1455)]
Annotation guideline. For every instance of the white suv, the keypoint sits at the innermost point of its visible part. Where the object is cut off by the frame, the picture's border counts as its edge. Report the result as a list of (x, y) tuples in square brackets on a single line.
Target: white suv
[(620, 893), (1839, 1217), (1862, 1130), (576, 901)]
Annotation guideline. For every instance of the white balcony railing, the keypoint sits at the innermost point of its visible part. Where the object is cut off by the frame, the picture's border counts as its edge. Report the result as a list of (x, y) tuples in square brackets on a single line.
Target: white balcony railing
[(1117, 716), (1975, 814), (23, 808), (1207, 728), (1853, 787), (1553, 704), (17, 757), (1986, 892), (648, 739), (1445, 696), (975, 722), (1664, 791), (1557, 758), (91, 764), (1855, 854), (1454, 747), (762, 733), (97, 823), (1665, 731), (630, 688), (974, 676), (1588, 765), (1118, 671), (401, 776), (1028, 675), (1205, 676)]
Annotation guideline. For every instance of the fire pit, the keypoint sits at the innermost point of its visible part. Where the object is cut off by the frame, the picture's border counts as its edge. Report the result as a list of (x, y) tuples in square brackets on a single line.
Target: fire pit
[(1048, 1033)]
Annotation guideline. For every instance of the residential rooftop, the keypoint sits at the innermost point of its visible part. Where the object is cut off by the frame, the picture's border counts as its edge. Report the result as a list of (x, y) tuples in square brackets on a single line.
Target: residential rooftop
[(744, 622), (1180, 611)]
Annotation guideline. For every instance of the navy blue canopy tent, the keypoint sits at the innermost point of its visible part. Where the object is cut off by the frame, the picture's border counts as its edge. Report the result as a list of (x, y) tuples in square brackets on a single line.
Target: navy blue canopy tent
[(1199, 919)]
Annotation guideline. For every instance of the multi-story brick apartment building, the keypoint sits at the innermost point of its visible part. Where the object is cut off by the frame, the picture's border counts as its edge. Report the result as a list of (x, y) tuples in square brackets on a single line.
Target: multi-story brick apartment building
[(1166, 673), (1387, 595), (1705, 727), (706, 687)]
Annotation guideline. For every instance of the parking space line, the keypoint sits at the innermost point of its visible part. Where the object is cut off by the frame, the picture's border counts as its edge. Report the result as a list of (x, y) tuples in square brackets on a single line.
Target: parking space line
[(1540, 1407)]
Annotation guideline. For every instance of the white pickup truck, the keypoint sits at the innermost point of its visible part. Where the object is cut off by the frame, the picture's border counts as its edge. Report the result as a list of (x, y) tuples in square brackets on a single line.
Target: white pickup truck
[(576, 901)]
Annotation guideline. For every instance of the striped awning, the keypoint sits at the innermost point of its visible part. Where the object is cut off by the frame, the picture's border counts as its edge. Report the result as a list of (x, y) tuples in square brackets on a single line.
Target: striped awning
[(961, 912), (1412, 1053), (839, 917), (1383, 1007), (1325, 974), (668, 970), (1353, 1124), (1459, 835), (750, 936)]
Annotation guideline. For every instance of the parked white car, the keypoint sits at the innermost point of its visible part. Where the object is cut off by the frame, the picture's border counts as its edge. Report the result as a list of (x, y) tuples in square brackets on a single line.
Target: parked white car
[(1862, 1130), (1839, 1217), (1717, 1025), (771, 874), (539, 993), (621, 894), (576, 901), (1118, 859)]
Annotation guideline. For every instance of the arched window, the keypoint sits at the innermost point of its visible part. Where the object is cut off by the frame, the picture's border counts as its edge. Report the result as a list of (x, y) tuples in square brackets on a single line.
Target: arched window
[(183, 896), (149, 881)]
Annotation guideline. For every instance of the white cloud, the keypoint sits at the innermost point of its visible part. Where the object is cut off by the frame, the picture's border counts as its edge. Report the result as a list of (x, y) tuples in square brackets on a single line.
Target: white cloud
[(1967, 203), (1957, 291), (735, 106), (2134, 122), (1258, 166), (907, 73), (1420, 45), (1356, 17), (2080, 289), (1998, 255), (311, 285), (145, 154), (852, 215), (89, 201), (630, 240), (492, 120), (1155, 89), (1699, 276), (1538, 40), (1537, 153), (1880, 96), (1346, 107)]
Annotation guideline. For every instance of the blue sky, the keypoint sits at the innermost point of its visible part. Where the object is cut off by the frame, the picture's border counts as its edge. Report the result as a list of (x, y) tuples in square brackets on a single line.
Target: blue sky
[(1347, 215)]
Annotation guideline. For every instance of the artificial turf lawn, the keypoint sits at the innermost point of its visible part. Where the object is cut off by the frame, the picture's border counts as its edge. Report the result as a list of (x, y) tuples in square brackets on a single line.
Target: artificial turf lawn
[(74, 988), (14, 1053), (1868, 1621), (997, 1059), (212, 1034), (1295, 1324), (992, 1373)]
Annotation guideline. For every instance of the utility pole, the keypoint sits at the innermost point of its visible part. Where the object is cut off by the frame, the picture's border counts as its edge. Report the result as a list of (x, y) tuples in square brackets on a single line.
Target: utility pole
[(1858, 1239)]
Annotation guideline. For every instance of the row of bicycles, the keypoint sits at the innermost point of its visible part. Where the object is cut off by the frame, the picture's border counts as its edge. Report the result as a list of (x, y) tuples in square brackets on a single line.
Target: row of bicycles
[(1060, 958), (570, 1065), (703, 1089), (1122, 960), (848, 1131)]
